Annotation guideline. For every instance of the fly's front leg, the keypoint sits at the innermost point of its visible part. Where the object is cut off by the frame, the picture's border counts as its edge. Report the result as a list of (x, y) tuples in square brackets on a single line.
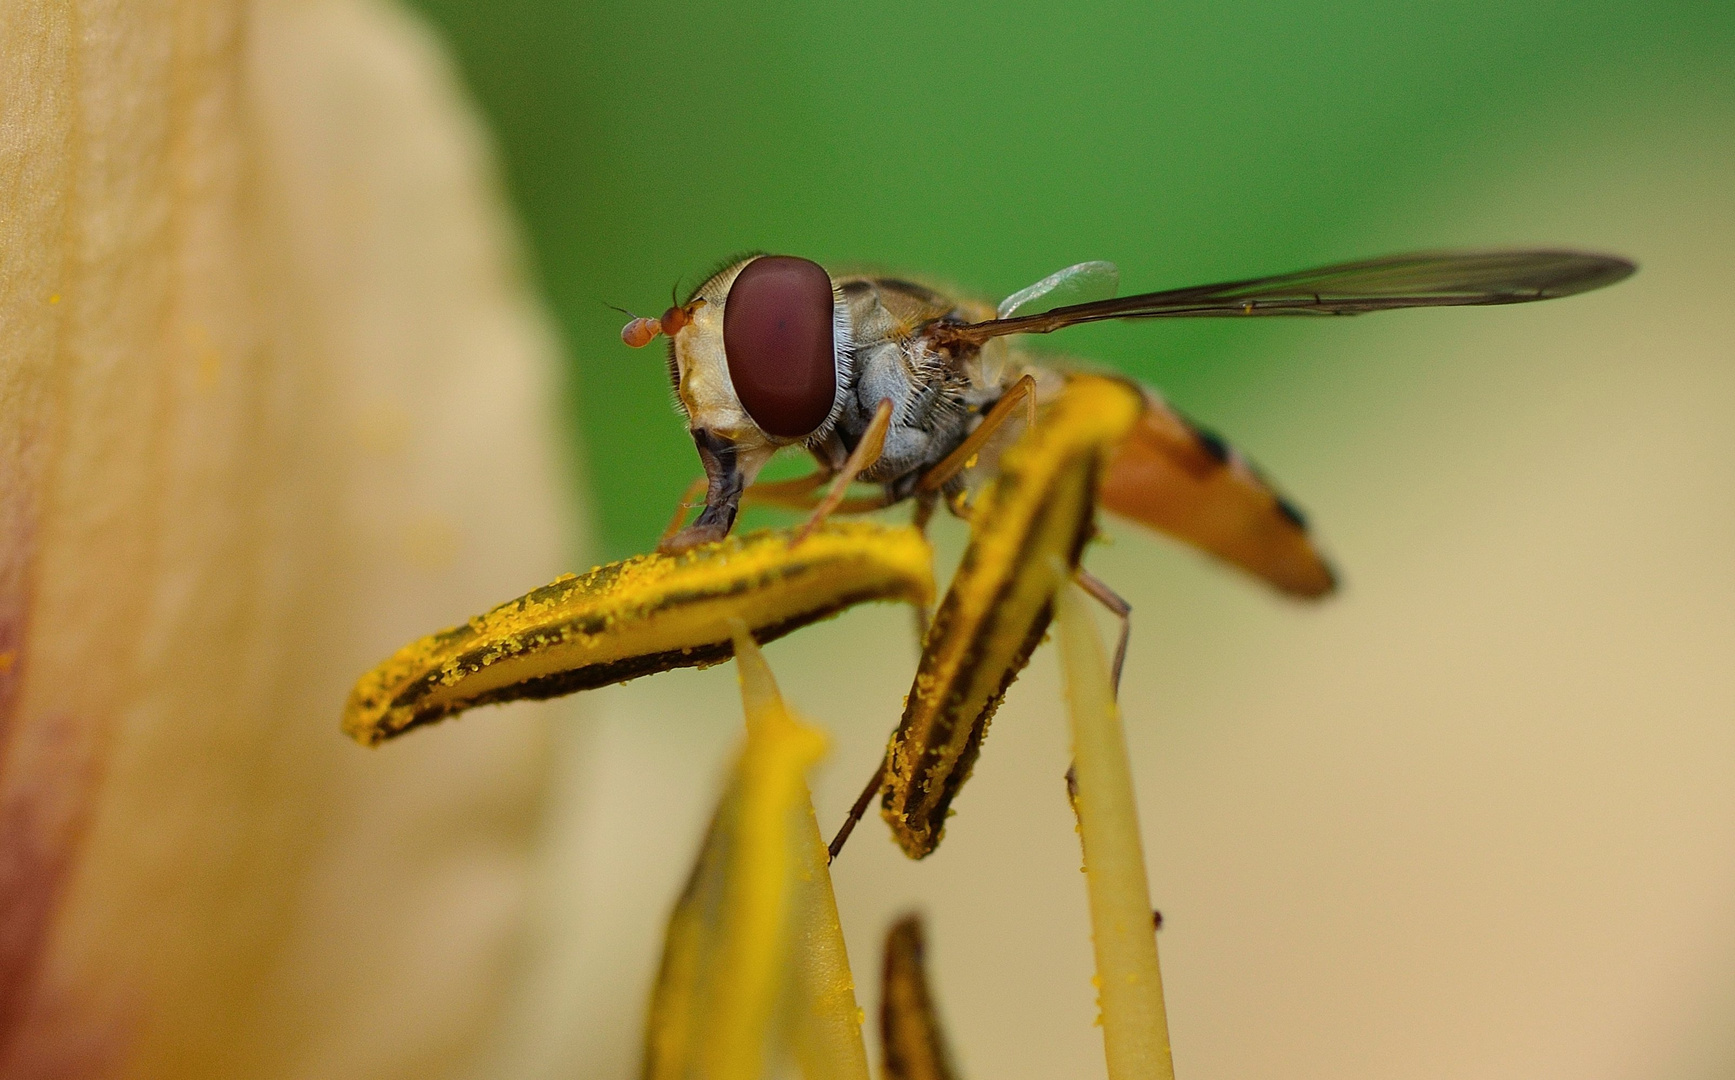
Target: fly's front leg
[(694, 490), (723, 485)]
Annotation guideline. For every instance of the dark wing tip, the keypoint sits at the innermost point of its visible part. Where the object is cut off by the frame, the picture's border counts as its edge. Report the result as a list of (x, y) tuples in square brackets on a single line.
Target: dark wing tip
[(1580, 273)]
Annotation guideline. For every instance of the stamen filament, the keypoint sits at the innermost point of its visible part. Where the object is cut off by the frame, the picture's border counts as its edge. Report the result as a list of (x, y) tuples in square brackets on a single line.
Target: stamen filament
[(1135, 1028), (726, 979), (825, 1020)]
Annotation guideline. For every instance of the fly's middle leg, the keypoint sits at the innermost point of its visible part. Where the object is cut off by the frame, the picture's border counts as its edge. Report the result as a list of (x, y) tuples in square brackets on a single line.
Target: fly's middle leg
[(1024, 390), (694, 490)]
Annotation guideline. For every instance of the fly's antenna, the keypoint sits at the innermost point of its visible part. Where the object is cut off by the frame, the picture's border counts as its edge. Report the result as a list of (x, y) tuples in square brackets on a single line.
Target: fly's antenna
[(638, 332)]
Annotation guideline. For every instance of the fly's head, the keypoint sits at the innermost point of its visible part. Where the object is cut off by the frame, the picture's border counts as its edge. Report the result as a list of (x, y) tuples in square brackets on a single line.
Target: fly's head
[(760, 358)]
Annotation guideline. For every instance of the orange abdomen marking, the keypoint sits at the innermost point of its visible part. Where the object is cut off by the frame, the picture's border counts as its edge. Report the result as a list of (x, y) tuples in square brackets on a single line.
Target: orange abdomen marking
[(1180, 480)]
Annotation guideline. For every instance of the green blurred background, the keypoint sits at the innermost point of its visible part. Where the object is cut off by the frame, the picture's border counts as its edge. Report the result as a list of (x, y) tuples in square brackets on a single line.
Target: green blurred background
[(986, 145)]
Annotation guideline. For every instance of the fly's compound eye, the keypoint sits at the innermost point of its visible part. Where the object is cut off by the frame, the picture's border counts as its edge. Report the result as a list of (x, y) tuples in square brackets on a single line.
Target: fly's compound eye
[(777, 338)]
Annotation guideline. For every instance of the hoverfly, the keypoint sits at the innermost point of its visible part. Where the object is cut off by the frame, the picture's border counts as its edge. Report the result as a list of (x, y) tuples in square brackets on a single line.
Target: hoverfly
[(891, 382)]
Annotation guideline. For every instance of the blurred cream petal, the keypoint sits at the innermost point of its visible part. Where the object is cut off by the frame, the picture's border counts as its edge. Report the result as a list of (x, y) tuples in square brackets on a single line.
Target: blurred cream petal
[(824, 1019), (273, 399)]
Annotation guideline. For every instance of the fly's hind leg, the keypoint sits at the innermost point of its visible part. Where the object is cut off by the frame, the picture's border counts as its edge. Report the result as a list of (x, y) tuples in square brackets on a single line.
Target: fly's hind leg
[(1118, 606), (858, 811)]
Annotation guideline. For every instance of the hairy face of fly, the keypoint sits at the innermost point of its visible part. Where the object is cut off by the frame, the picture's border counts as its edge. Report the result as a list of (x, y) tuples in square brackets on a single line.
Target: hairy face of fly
[(760, 359), (699, 369)]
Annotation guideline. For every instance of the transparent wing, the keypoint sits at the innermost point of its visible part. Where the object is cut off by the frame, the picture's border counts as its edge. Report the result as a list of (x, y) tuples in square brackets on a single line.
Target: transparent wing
[(1080, 284), (1449, 279)]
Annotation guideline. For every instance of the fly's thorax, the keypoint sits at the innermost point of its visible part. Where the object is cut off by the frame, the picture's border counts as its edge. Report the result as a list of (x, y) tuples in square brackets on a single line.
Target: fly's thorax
[(937, 397), (929, 418)]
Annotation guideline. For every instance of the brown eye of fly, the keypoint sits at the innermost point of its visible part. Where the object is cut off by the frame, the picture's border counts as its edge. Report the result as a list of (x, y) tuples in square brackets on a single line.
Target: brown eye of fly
[(777, 338)]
